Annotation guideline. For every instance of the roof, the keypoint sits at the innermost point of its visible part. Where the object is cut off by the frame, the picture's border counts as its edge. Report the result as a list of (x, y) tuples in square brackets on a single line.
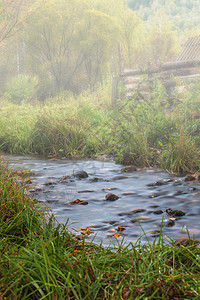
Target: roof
[(191, 50)]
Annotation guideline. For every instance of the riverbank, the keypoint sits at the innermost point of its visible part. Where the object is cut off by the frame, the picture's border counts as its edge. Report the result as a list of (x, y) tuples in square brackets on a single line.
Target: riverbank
[(41, 259), (148, 132)]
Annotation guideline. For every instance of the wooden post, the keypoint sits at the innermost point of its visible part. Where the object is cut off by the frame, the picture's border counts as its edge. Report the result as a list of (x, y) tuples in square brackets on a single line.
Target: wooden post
[(121, 60), (115, 82)]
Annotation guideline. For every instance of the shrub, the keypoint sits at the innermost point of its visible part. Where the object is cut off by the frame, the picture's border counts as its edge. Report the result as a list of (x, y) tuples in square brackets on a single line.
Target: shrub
[(21, 89)]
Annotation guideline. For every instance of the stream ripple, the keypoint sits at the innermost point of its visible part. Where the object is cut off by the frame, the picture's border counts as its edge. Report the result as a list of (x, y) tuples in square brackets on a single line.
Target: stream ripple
[(144, 195)]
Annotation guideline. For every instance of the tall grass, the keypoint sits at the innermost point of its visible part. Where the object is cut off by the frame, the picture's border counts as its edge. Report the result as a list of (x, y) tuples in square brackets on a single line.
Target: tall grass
[(144, 132), (52, 135), (41, 259), (181, 155), (16, 123), (58, 127), (18, 213)]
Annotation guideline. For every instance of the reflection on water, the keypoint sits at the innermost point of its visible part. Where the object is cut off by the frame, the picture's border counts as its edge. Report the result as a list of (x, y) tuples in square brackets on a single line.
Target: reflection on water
[(135, 192)]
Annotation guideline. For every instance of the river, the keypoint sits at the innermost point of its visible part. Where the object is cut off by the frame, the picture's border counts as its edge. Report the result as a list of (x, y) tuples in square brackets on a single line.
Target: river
[(144, 195)]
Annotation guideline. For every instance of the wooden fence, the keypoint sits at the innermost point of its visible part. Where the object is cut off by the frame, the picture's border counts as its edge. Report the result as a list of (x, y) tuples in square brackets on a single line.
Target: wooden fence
[(171, 74)]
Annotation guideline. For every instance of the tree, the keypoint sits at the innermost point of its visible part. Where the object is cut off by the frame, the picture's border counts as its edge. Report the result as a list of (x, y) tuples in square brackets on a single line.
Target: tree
[(69, 44), (163, 40), (51, 38), (13, 14), (10, 13), (134, 37), (98, 34)]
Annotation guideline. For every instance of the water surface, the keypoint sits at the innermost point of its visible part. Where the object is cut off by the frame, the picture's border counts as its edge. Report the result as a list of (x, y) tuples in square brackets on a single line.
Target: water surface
[(104, 217)]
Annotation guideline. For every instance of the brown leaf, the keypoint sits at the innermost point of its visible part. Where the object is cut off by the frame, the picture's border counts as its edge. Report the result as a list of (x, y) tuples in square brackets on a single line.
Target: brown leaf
[(185, 241), (78, 201), (118, 235), (121, 228), (86, 231)]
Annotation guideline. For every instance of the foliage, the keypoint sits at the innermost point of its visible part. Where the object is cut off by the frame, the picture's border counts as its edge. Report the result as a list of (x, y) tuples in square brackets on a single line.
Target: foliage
[(146, 131), (142, 127), (184, 14), (188, 111), (15, 134), (73, 45), (16, 207), (181, 155), (57, 127), (134, 39), (163, 39), (53, 135), (21, 89), (11, 18)]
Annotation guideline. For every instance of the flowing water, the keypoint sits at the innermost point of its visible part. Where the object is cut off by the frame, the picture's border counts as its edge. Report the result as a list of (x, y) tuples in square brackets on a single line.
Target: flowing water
[(145, 191)]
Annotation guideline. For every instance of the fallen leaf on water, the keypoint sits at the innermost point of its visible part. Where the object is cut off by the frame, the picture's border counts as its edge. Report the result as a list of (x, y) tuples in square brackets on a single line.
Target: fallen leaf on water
[(50, 183), (139, 210), (86, 231), (22, 173), (78, 201), (155, 232), (118, 235), (65, 178), (121, 228)]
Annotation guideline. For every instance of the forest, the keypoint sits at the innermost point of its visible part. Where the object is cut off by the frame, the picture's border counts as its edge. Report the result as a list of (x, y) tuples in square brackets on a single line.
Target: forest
[(183, 14), (54, 46)]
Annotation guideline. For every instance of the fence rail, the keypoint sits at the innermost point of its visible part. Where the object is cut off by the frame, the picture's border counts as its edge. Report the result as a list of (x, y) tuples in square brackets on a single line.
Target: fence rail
[(171, 74)]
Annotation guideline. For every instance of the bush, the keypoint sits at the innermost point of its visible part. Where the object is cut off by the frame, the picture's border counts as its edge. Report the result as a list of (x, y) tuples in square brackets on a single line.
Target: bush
[(21, 89)]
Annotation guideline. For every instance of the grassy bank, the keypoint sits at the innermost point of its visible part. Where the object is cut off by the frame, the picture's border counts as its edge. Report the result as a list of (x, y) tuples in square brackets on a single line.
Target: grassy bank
[(143, 132), (40, 259)]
